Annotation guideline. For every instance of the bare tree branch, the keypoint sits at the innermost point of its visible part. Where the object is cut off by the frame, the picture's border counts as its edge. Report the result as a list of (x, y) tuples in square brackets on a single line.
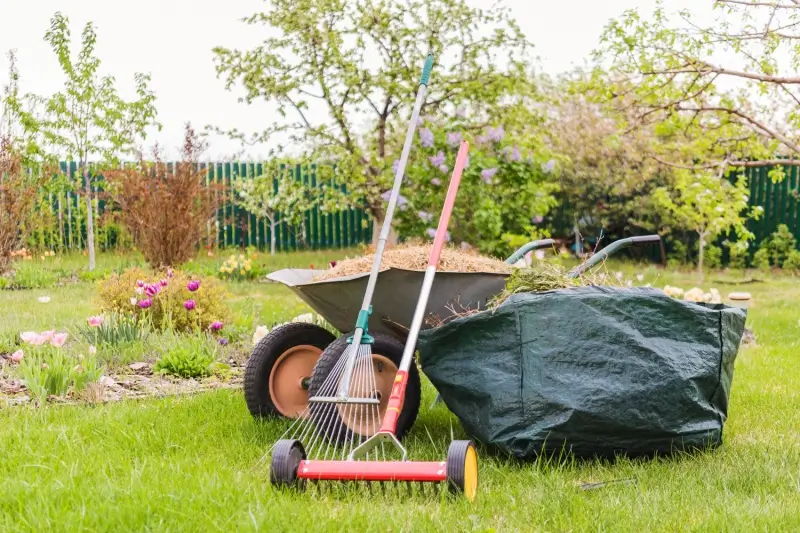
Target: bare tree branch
[(775, 5)]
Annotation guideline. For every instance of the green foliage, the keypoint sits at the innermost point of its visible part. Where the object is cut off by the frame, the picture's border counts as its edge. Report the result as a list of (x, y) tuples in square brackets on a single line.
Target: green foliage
[(761, 259), (8, 343), (679, 253), (792, 262), (712, 256), (120, 294), (32, 275), (49, 371), (706, 205), (504, 190), (114, 330), (738, 256), (780, 244), (311, 65), (191, 357)]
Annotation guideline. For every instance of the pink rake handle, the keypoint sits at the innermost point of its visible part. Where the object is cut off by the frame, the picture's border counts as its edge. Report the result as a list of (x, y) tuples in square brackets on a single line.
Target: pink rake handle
[(449, 201)]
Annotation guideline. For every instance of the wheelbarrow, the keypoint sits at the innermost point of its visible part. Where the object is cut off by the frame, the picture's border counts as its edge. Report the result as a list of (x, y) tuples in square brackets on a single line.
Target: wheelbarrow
[(278, 372)]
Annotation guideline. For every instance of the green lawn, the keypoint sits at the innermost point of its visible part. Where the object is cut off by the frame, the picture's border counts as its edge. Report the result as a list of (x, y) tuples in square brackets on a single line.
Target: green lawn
[(193, 463)]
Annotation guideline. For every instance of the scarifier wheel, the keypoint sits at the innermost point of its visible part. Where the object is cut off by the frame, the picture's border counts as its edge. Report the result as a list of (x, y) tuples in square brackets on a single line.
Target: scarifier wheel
[(462, 468), (279, 369), (286, 457)]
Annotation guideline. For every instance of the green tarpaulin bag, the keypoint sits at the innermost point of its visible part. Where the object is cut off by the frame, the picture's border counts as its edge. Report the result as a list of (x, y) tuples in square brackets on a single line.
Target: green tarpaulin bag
[(599, 371)]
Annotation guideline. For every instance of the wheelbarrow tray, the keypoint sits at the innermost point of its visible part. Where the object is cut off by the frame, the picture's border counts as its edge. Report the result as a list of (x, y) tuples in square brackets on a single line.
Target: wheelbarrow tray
[(338, 300)]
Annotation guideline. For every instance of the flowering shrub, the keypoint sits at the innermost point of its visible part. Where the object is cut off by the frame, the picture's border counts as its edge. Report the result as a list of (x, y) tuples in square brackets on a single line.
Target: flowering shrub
[(240, 267), (170, 301), (507, 188)]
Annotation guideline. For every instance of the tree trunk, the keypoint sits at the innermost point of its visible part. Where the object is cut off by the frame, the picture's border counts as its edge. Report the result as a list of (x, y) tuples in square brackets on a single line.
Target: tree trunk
[(376, 232), (701, 249), (89, 217), (272, 236)]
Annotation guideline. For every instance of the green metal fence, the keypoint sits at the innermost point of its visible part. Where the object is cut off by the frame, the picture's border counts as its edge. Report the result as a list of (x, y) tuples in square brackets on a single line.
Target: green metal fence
[(64, 227), (62, 214)]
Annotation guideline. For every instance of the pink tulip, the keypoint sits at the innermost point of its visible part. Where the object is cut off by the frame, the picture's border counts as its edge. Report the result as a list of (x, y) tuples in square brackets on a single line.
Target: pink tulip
[(59, 339), (140, 283), (17, 356), (47, 335), (189, 305), (147, 302), (163, 283), (216, 326), (152, 290), (95, 321), (169, 273), (139, 290), (193, 285), (92, 350), (28, 336)]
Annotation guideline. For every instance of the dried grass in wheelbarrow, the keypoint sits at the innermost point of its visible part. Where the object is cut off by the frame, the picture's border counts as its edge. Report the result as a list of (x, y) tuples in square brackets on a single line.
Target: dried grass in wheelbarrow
[(415, 257)]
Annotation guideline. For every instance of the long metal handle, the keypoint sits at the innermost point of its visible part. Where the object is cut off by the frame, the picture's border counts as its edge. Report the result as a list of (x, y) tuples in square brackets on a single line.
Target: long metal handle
[(533, 245), (611, 249)]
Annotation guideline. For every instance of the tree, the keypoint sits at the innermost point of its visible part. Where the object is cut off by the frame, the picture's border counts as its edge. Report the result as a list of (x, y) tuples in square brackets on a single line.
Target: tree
[(708, 205), (741, 114), (88, 118), (288, 201), (333, 66)]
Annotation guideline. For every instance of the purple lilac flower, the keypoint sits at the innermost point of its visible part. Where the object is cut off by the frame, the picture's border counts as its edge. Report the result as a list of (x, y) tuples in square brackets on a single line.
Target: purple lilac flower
[(402, 201), (496, 134), (144, 304), (461, 112), (436, 181), (515, 155), (193, 285), (549, 166), (395, 166), (420, 121), (216, 326), (438, 159), (426, 137), (454, 139), (444, 168), (483, 139), (223, 341), (537, 219), (424, 216), (431, 232), (488, 174), (189, 305)]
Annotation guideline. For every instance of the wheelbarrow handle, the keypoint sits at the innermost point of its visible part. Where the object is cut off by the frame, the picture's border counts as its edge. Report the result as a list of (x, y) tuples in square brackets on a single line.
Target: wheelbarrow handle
[(533, 245), (611, 249)]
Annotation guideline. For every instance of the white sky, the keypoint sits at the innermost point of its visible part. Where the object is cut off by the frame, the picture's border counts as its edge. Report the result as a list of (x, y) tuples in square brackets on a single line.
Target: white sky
[(172, 40)]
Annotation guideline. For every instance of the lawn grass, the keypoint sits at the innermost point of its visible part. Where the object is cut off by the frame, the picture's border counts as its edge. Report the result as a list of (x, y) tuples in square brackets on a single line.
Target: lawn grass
[(193, 463)]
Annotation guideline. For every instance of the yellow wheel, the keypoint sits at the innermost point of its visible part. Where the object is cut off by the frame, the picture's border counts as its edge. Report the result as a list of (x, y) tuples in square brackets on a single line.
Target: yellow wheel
[(462, 468)]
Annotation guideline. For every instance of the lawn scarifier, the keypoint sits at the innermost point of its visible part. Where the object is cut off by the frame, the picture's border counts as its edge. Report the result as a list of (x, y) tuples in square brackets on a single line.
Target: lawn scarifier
[(290, 465)]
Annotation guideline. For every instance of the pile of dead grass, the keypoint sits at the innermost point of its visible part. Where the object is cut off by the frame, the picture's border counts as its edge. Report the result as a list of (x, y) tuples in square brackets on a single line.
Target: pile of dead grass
[(415, 257)]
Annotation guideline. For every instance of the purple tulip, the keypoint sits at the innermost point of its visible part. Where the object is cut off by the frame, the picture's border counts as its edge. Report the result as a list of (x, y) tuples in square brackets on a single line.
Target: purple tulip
[(193, 285), (438, 159), (139, 283), (496, 134), (426, 137), (163, 283), (223, 341), (144, 304), (488, 174), (454, 139), (152, 290), (216, 326), (170, 273), (436, 181), (189, 305)]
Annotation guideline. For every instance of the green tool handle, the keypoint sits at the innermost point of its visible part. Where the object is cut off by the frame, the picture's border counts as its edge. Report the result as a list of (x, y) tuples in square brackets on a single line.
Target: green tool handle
[(611, 249), (533, 245)]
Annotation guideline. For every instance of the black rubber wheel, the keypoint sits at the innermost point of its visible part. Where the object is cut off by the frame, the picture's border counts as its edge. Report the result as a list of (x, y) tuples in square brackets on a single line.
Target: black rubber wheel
[(269, 350), (286, 457), (385, 349), (462, 468)]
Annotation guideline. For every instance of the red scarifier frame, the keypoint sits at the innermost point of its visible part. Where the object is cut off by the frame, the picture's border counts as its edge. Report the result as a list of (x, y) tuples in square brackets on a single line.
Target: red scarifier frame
[(417, 471)]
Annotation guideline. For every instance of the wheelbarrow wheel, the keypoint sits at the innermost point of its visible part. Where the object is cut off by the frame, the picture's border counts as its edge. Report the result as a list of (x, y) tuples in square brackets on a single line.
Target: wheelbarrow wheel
[(279, 369), (286, 457), (462, 469), (386, 355)]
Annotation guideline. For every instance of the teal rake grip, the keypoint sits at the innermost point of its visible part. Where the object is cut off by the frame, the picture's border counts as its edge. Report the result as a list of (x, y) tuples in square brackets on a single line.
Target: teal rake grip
[(426, 72)]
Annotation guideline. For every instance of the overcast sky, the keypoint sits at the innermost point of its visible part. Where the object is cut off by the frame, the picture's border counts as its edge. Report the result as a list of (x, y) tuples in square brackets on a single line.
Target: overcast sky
[(172, 40)]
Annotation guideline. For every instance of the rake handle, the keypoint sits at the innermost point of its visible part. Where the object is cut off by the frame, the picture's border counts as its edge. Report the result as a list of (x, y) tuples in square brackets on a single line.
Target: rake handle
[(449, 202)]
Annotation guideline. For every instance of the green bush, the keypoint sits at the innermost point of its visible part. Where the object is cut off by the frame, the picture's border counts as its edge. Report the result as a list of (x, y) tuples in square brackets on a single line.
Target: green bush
[(192, 357), (738, 257), (792, 262), (679, 253), (761, 259), (712, 256), (121, 294), (780, 244)]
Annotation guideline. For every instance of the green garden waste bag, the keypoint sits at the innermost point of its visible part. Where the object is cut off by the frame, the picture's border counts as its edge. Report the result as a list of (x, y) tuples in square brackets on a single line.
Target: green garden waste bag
[(597, 371)]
